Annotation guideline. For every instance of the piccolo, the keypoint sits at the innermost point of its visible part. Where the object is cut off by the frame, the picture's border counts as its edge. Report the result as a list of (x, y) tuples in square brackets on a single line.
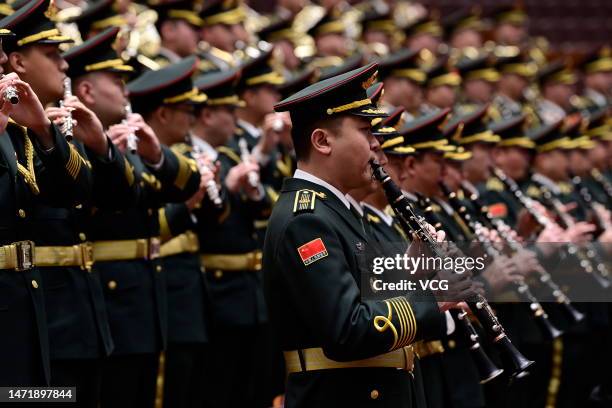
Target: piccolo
[(10, 94), (513, 359), (245, 156), (520, 287), (68, 125), (211, 187), (132, 139)]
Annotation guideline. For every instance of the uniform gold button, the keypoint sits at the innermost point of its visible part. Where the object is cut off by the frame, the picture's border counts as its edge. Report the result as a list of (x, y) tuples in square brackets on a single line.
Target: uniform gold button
[(150, 211), (34, 284), (158, 268), (21, 213), (202, 269), (218, 274), (142, 184), (452, 344), (78, 206), (82, 236), (374, 394), (112, 285)]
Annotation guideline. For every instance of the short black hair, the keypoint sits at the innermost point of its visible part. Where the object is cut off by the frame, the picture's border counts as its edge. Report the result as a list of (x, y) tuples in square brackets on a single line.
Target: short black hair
[(301, 132)]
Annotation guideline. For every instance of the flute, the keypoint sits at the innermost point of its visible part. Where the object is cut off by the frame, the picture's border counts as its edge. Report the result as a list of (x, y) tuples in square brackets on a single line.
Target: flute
[(511, 356), (68, 125), (245, 156), (132, 139), (211, 187), (10, 94)]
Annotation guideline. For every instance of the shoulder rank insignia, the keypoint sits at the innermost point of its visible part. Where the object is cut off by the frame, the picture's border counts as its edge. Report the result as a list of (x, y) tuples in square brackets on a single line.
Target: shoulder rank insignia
[(305, 201), (182, 148), (533, 191), (565, 188), (495, 184)]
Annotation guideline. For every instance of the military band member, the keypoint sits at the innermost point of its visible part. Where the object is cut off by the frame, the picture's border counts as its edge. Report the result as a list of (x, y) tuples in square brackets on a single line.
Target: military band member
[(178, 25), (597, 69), (464, 29), (285, 38), (231, 252), (78, 327), (515, 76), (316, 310), (328, 30), (478, 79), (557, 84), (510, 25), (220, 33), (33, 171), (441, 87), (403, 79), (424, 32), (126, 243), (98, 16)]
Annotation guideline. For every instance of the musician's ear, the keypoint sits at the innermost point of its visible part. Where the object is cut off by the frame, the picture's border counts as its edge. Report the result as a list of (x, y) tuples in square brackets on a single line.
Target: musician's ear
[(320, 138), (84, 91), (16, 62)]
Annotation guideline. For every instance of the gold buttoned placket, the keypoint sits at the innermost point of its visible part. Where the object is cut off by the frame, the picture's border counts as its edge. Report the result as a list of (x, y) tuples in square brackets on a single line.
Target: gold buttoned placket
[(374, 394)]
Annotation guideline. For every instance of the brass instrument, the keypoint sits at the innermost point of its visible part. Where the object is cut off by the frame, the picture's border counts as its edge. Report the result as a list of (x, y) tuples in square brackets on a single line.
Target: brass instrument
[(413, 224), (520, 287), (68, 125)]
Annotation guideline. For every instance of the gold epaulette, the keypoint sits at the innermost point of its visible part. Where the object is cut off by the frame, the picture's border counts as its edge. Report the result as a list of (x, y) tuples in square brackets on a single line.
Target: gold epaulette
[(181, 148), (305, 200), (229, 153), (533, 191), (494, 184)]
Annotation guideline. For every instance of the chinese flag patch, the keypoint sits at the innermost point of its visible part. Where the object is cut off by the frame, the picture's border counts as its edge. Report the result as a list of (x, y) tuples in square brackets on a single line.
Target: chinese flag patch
[(498, 210), (312, 251)]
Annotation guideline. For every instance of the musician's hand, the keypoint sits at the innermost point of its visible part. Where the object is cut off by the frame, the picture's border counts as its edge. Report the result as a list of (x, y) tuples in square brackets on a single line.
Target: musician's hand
[(500, 273), (196, 200), (459, 288), (29, 112), (526, 262), (149, 147), (119, 134), (275, 127), (238, 177), (88, 128), (580, 232)]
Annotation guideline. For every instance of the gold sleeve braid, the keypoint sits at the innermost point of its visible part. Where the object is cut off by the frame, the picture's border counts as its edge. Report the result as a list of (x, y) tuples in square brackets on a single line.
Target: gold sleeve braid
[(129, 172), (73, 165), (404, 315), (186, 168), (164, 227)]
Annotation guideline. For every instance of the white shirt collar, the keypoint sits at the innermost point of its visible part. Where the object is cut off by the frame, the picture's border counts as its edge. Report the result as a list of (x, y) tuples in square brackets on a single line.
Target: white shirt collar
[(203, 146), (383, 216), (253, 130), (304, 175), (354, 204)]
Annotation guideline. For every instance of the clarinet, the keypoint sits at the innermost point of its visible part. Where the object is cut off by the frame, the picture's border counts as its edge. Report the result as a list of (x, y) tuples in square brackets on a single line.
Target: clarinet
[(503, 230), (211, 187), (571, 249), (600, 271), (587, 199), (10, 94), (603, 182), (414, 224), (68, 125), (520, 287), (245, 156), (132, 139)]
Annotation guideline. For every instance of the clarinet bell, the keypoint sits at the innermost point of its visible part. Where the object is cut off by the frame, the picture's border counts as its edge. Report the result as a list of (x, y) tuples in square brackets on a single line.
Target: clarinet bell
[(514, 362), (548, 329), (487, 370), (572, 313)]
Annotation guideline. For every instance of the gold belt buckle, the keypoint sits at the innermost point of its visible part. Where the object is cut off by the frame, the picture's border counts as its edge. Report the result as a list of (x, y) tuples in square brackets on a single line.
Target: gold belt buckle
[(87, 256), (24, 251), (154, 248)]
